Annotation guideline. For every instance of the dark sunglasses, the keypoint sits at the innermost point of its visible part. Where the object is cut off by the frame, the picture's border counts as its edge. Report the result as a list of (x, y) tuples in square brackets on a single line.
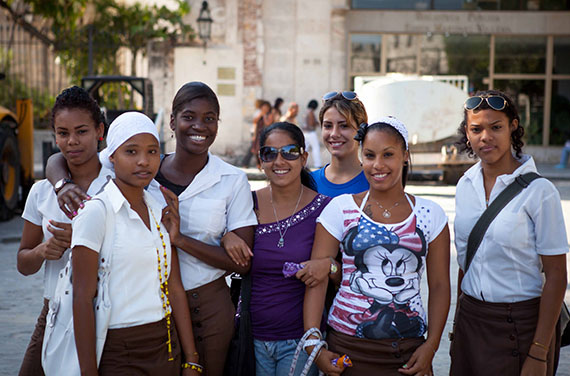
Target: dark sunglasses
[(288, 152), (348, 95), (496, 102)]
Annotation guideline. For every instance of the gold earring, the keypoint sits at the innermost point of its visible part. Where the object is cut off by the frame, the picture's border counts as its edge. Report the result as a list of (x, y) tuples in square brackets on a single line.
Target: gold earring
[(468, 143)]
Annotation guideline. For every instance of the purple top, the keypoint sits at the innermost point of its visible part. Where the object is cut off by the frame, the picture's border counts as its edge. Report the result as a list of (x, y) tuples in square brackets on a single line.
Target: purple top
[(277, 302)]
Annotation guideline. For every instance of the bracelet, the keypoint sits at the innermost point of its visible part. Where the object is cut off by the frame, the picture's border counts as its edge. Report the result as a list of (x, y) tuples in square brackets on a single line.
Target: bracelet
[(194, 366), (540, 345), (535, 358)]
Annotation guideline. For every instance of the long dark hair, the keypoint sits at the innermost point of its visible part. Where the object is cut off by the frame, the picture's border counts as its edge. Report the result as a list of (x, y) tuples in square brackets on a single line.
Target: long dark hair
[(510, 110), (364, 129), (194, 90), (297, 136)]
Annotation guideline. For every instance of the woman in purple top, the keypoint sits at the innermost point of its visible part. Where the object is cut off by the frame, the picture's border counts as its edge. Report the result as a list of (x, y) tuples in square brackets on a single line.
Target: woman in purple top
[(286, 210)]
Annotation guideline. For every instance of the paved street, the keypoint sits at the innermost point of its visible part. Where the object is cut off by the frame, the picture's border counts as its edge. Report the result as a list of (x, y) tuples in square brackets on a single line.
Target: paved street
[(21, 297)]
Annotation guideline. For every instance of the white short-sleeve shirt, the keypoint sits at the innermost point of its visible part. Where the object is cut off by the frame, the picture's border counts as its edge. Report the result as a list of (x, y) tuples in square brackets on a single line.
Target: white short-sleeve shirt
[(134, 285), (217, 201), (382, 267), (41, 207), (507, 267)]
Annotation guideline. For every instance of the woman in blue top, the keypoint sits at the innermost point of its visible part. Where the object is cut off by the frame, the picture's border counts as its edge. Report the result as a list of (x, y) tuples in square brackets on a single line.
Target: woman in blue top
[(340, 116)]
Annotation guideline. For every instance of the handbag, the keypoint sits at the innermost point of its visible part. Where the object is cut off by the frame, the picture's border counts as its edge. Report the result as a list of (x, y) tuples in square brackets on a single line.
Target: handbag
[(59, 353), (240, 360), (478, 231)]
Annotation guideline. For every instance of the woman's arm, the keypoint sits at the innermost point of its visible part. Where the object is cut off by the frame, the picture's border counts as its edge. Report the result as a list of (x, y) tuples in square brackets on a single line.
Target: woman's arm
[(438, 304), (215, 256), (85, 263), (554, 268), (325, 246), (180, 311), (70, 198), (33, 251)]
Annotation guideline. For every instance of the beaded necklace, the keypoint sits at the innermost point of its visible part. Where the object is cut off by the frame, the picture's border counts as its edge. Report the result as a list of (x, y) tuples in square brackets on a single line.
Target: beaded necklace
[(164, 285)]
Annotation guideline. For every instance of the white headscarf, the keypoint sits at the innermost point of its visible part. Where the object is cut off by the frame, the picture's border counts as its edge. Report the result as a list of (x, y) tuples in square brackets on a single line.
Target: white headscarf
[(121, 129)]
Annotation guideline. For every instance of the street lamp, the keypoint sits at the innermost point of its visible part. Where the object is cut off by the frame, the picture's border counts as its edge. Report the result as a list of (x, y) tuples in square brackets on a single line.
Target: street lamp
[(205, 23)]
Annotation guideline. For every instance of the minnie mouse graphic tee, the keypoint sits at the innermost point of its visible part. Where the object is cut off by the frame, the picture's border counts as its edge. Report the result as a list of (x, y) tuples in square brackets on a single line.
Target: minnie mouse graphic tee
[(379, 296)]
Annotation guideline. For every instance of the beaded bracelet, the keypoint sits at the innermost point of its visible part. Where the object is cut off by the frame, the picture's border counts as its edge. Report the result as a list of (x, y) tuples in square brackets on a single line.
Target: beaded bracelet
[(193, 366)]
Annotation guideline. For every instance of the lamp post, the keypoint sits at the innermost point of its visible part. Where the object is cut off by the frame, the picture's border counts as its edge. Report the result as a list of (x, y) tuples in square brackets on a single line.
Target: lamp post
[(205, 23)]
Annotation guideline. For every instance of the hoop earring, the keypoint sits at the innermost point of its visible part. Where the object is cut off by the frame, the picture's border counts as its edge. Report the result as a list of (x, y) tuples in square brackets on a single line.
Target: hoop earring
[(468, 143)]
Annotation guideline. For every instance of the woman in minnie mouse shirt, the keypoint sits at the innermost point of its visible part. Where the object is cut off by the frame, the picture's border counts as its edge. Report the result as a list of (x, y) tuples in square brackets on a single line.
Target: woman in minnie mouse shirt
[(387, 239)]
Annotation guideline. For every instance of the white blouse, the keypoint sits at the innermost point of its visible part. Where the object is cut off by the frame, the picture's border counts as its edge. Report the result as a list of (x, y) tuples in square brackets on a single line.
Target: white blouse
[(41, 207), (507, 267), (217, 201), (134, 286)]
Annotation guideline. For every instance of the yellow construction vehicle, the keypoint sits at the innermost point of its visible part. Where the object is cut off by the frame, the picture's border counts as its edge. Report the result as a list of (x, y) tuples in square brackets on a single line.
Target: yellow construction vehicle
[(16, 156)]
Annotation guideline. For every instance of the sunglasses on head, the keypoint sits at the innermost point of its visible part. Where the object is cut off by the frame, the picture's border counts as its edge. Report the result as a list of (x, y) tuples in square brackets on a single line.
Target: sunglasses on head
[(496, 102), (348, 95), (288, 152)]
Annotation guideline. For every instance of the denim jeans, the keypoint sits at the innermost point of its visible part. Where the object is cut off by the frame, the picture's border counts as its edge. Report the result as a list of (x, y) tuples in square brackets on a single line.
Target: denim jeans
[(273, 358)]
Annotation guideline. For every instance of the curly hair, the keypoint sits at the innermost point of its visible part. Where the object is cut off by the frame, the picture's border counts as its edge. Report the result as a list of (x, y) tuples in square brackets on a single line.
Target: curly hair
[(78, 98), (512, 114), (353, 111)]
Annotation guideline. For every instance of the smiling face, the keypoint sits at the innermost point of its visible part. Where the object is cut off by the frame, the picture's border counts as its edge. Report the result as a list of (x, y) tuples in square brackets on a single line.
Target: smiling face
[(282, 172), (195, 126), (338, 134), (489, 133), (383, 158), (77, 134), (137, 160)]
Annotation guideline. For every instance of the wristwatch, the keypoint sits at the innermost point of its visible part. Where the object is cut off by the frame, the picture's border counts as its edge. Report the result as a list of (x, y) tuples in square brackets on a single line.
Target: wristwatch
[(334, 268), (60, 184)]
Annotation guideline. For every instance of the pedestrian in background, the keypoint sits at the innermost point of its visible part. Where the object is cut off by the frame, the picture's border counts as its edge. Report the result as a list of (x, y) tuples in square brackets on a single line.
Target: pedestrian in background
[(291, 114), (276, 109), (515, 284), (78, 125), (310, 130), (340, 117), (387, 239), (263, 119)]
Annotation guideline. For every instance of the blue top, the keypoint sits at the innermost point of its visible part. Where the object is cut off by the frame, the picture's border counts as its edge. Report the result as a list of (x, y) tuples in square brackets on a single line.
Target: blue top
[(355, 185)]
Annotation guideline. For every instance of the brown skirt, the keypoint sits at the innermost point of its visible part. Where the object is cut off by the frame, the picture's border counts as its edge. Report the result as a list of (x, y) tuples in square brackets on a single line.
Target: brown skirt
[(373, 357), (140, 350), (32, 363), (212, 313), (494, 338)]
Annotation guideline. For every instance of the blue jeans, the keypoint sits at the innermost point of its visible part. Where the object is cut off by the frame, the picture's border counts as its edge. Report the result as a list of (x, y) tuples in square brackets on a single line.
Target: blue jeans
[(273, 358), (564, 157)]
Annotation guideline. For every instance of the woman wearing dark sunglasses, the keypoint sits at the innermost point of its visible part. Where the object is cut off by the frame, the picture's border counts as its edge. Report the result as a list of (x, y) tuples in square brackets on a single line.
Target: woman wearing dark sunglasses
[(506, 316), (340, 116), (286, 210)]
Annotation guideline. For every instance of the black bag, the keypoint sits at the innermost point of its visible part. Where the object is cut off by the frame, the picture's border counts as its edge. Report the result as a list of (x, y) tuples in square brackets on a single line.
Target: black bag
[(241, 355)]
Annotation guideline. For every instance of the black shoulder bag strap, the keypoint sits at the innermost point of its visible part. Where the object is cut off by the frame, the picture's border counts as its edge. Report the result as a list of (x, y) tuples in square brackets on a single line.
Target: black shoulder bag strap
[(478, 231)]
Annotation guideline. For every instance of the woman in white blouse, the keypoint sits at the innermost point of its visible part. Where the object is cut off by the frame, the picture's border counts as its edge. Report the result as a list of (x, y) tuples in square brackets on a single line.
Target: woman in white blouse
[(511, 295), (145, 291)]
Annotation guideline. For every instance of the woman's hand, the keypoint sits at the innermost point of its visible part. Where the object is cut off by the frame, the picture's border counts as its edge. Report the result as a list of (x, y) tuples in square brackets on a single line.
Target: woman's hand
[(533, 367), (236, 248), (314, 271), (70, 199), (324, 362), (55, 246), (171, 215), (420, 362)]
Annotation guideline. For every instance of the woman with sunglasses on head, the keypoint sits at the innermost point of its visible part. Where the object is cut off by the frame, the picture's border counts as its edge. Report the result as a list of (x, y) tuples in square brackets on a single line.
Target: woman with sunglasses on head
[(504, 295), (340, 116), (214, 199), (78, 124), (286, 210), (143, 287), (387, 238)]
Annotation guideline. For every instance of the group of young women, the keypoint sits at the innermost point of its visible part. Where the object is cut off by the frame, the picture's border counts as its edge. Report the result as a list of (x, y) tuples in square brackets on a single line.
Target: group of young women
[(187, 219)]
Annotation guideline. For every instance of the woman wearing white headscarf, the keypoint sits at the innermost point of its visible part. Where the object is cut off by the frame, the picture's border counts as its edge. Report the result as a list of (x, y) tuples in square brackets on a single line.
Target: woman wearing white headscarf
[(145, 290)]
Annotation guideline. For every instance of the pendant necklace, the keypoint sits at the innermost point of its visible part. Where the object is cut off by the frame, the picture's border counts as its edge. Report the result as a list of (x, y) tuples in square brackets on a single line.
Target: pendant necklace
[(386, 213), (281, 242)]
